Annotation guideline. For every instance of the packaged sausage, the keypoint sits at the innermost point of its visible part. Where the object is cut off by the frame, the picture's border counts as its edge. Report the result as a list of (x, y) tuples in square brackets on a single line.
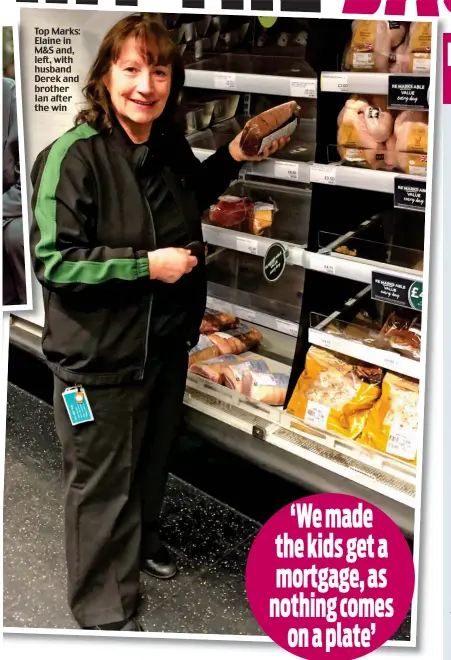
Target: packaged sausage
[(335, 393), (274, 124), (230, 211), (205, 350), (215, 321), (392, 425)]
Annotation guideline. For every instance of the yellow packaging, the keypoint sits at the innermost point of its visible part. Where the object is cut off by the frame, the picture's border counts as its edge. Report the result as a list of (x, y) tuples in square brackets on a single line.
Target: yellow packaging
[(347, 135), (335, 393), (392, 425), (417, 140), (421, 37), (415, 164), (364, 37)]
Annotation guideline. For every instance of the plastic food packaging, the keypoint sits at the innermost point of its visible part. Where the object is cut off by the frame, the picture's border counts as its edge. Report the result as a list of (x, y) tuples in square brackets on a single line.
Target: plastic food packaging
[(335, 393), (213, 369), (236, 341), (403, 335), (411, 131), (205, 350), (255, 379), (362, 129), (215, 321), (230, 211), (420, 45), (261, 217), (392, 425), (370, 47), (274, 124)]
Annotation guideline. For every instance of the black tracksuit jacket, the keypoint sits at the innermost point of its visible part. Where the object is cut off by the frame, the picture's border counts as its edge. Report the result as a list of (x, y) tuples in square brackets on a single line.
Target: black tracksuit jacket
[(91, 231)]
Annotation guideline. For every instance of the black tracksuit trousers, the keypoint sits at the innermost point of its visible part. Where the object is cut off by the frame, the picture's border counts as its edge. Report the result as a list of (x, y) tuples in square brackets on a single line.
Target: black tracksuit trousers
[(115, 471)]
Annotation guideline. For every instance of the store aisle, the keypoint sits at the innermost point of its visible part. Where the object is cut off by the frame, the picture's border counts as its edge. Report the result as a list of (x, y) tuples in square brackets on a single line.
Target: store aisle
[(211, 540)]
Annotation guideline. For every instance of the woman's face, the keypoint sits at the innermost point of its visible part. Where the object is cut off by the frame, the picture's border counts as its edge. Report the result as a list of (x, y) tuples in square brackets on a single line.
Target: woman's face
[(138, 90)]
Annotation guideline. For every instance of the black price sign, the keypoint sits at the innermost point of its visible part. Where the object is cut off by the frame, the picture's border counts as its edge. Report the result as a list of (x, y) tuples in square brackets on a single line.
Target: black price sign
[(274, 262), (410, 194), (408, 92), (397, 291)]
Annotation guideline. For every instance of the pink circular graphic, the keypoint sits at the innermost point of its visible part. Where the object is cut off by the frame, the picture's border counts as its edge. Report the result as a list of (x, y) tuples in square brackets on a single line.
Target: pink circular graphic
[(330, 576)]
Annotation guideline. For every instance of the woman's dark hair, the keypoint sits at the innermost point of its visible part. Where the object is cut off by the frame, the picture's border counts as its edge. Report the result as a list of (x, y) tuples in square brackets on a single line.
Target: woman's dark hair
[(152, 35)]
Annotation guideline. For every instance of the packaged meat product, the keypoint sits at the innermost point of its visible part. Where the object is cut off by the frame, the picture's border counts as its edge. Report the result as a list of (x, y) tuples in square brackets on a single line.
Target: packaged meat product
[(215, 321), (403, 335), (230, 211), (213, 369), (401, 59), (379, 119), (274, 124), (335, 393), (397, 32), (205, 350), (411, 131), (414, 55), (236, 341), (370, 47), (413, 163), (392, 425), (391, 155), (255, 379), (356, 143), (261, 217)]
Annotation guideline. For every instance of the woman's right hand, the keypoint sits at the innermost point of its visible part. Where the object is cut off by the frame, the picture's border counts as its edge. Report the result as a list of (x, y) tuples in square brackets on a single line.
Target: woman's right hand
[(170, 264)]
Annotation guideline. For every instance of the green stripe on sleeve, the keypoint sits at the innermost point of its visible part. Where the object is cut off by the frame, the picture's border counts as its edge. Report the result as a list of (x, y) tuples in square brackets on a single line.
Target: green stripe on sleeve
[(56, 269)]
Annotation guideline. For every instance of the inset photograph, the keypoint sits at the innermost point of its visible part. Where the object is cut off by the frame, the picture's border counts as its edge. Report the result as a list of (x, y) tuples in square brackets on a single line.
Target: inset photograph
[(16, 264)]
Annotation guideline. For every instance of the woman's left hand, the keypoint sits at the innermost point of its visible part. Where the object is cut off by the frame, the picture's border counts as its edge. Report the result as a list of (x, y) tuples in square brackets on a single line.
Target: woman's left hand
[(239, 155)]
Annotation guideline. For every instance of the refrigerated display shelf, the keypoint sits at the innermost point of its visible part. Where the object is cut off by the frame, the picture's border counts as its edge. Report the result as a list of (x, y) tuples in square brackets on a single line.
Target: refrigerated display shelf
[(365, 82), (347, 459), (259, 318), (379, 357)]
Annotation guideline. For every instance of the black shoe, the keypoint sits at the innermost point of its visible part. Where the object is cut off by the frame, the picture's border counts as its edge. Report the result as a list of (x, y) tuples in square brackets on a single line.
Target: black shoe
[(159, 565), (129, 625)]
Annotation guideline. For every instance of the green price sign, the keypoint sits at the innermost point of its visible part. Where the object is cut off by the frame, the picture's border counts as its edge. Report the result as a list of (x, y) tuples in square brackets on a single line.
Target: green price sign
[(416, 295)]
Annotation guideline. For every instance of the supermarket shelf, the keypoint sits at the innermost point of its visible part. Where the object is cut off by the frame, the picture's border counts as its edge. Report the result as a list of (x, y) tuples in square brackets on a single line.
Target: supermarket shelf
[(362, 179), (357, 82), (353, 268), (251, 83), (259, 318), (370, 354), (347, 459), (271, 168), (249, 243)]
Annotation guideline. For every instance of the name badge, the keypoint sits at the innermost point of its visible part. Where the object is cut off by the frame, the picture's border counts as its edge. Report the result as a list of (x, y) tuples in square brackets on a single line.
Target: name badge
[(77, 405)]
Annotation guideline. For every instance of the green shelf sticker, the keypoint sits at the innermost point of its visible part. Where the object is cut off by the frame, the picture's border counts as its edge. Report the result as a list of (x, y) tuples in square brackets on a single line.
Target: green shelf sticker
[(267, 21)]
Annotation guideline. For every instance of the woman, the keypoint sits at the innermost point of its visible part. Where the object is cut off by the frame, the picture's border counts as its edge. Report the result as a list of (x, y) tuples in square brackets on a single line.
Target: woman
[(116, 200)]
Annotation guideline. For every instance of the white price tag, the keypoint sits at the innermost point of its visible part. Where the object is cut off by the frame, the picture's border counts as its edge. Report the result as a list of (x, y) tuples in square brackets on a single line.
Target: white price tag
[(303, 88), (323, 341), (323, 264), (245, 314), (287, 328), (323, 174), (286, 170), (391, 362), (317, 415), (225, 81), (247, 245), (402, 442), (334, 82)]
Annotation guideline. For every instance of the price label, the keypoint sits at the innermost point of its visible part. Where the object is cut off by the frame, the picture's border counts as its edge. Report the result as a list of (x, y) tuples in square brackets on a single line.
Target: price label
[(324, 341), (247, 245), (286, 170), (287, 328), (323, 174), (334, 82), (303, 88), (322, 264), (245, 314), (391, 362), (225, 81)]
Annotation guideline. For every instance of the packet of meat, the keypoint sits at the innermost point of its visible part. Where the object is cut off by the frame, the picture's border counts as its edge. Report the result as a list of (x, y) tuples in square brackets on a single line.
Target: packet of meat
[(392, 425), (213, 369), (204, 350), (274, 124), (261, 216), (216, 321), (256, 380), (403, 335), (230, 210), (236, 341)]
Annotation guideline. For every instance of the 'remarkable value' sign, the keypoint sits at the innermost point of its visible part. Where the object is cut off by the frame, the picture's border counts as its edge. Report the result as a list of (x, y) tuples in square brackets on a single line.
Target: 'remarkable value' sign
[(397, 291)]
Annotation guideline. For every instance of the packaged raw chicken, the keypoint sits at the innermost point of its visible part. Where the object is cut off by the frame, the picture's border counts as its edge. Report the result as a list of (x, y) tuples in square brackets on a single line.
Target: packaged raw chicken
[(335, 393), (420, 44), (392, 425), (215, 321), (362, 129), (273, 124), (370, 46), (205, 350), (411, 131), (230, 211), (236, 341)]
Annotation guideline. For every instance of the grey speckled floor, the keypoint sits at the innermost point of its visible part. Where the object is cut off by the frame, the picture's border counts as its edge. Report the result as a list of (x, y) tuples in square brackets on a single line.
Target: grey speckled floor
[(211, 540)]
